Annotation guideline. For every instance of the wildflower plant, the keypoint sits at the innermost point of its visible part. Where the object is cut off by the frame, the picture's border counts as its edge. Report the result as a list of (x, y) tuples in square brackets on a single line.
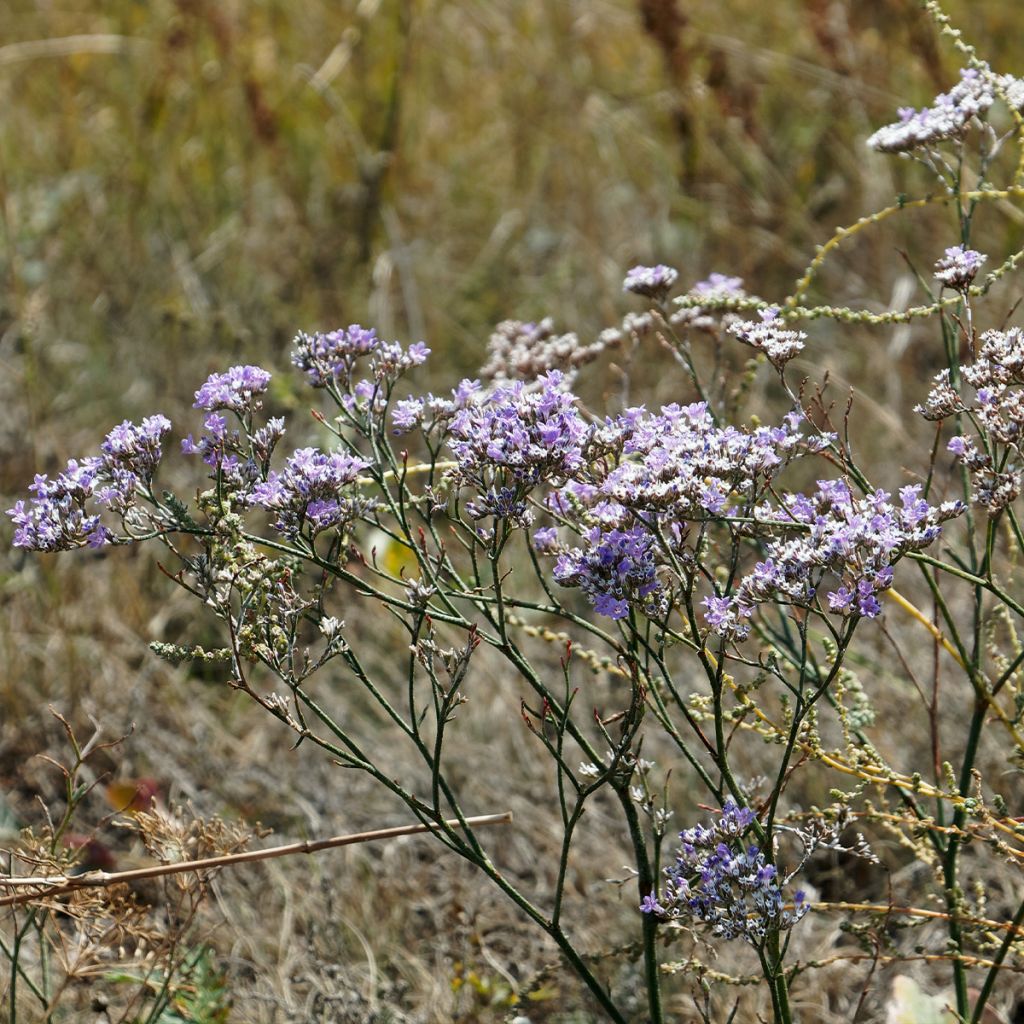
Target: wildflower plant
[(725, 573)]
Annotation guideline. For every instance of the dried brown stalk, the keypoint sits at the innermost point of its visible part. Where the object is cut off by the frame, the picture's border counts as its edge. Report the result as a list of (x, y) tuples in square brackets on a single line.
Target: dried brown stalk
[(55, 885)]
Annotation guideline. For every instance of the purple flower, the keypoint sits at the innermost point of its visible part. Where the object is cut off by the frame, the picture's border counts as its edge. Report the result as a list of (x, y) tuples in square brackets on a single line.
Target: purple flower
[(325, 358), (237, 389), (719, 286), (238, 462), (949, 116), (682, 467), (616, 569), (697, 305), (997, 412), (502, 503), (545, 540), (729, 887), (652, 282), (308, 493), (518, 438), (726, 617), (856, 540), (332, 358), (958, 268), (407, 414), (62, 514)]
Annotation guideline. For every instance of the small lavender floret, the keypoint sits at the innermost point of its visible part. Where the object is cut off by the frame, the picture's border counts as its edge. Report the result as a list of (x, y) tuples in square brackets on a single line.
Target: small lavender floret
[(729, 887), (958, 268), (237, 389), (652, 282)]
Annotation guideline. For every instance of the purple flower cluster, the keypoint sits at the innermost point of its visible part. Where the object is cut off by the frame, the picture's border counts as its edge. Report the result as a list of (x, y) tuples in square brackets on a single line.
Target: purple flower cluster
[(958, 268), (718, 288), (237, 389), (307, 495), (239, 463), (854, 540), (332, 359), (997, 411), (770, 336), (326, 358), (678, 464), (62, 514), (517, 438), (651, 282), (648, 478), (431, 413), (949, 116), (616, 570), (726, 886)]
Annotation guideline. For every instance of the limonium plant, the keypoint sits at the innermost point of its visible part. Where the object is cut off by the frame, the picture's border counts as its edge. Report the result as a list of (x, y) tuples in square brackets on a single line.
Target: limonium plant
[(724, 572)]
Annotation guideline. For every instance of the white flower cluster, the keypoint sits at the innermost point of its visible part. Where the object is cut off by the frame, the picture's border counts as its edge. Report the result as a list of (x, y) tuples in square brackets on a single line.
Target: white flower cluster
[(770, 336)]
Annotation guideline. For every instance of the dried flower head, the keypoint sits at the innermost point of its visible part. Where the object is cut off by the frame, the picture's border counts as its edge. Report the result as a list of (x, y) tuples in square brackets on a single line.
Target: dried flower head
[(527, 351)]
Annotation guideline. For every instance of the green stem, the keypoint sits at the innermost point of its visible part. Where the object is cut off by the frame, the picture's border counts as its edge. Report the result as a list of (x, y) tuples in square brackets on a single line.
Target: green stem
[(646, 884)]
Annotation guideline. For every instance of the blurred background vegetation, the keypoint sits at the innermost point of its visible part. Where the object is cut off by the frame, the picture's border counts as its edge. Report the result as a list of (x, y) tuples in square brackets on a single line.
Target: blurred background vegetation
[(184, 183)]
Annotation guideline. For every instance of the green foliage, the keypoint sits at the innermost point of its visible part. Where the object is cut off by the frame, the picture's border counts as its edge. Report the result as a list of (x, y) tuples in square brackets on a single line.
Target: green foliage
[(195, 994)]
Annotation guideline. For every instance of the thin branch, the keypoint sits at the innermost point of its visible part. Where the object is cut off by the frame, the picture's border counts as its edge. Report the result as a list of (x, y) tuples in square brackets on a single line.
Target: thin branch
[(55, 885)]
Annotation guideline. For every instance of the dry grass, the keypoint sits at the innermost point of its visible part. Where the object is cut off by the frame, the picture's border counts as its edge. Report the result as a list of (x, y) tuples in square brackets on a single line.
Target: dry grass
[(183, 184)]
